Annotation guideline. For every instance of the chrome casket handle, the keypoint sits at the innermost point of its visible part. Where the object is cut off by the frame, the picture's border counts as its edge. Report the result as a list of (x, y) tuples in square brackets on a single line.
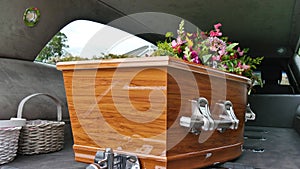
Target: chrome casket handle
[(249, 115), (107, 159), (227, 118), (202, 118)]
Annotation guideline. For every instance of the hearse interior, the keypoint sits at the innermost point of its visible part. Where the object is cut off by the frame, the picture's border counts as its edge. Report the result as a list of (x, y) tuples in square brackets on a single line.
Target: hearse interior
[(268, 28)]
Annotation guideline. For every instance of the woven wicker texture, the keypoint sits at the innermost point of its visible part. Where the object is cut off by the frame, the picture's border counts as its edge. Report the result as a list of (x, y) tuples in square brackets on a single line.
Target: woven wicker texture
[(8, 143), (41, 136)]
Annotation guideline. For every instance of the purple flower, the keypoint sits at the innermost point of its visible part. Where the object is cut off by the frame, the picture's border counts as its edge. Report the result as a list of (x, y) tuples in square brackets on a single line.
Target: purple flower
[(217, 45), (185, 57), (196, 60), (222, 51), (194, 54)]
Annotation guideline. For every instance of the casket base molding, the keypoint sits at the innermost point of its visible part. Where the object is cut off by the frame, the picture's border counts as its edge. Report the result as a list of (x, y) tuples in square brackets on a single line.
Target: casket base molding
[(86, 154)]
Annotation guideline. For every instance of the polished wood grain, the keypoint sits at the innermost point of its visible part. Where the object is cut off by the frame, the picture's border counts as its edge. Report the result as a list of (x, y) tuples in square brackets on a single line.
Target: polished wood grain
[(134, 105)]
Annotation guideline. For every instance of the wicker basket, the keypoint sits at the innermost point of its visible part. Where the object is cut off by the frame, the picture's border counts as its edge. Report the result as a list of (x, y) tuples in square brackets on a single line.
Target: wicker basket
[(41, 136), (9, 137)]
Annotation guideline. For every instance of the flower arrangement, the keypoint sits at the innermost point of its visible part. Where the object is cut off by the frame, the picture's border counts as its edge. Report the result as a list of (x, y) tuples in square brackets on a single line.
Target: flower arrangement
[(209, 48)]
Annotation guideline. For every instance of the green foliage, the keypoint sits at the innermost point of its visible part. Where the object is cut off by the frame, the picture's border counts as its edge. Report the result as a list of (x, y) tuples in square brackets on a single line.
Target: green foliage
[(231, 46), (69, 57), (112, 56), (164, 49), (54, 48), (169, 35)]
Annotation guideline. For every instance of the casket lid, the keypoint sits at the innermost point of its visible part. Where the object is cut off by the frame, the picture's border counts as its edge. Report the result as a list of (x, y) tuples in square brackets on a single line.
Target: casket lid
[(157, 61)]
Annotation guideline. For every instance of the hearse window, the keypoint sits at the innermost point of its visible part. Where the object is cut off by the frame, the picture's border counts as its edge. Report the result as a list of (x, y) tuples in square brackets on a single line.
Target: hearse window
[(258, 81), (87, 40), (284, 79)]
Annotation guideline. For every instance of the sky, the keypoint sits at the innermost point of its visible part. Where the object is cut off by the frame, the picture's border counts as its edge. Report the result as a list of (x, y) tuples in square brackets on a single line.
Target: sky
[(88, 39)]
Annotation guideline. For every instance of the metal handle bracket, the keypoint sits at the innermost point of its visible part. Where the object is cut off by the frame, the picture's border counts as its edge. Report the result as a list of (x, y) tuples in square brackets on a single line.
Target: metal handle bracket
[(202, 118), (107, 159)]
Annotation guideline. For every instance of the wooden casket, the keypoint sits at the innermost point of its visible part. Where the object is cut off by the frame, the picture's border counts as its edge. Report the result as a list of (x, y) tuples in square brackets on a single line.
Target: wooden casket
[(168, 112)]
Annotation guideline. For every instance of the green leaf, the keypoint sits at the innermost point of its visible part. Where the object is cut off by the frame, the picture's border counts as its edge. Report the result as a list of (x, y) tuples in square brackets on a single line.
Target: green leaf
[(189, 34), (169, 34), (231, 46), (235, 62), (205, 58)]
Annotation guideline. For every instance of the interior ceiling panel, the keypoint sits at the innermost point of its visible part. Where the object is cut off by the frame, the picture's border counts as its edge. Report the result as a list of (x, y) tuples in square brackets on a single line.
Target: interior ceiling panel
[(262, 25)]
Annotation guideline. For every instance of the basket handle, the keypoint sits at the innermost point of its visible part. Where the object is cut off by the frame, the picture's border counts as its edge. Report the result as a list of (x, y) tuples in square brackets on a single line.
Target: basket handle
[(58, 105)]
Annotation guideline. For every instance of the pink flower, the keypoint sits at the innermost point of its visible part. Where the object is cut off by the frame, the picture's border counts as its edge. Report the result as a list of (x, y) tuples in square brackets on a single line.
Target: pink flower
[(216, 58), (217, 26), (246, 67), (225, 66), (241, 53), (213, 48), (217, 32), (222, 51), (177, 43), (214, 34), (243, 66), (174, 44)]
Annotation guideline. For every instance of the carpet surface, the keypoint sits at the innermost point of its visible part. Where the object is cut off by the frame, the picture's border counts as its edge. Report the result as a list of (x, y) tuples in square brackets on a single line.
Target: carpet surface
[(264, 148)]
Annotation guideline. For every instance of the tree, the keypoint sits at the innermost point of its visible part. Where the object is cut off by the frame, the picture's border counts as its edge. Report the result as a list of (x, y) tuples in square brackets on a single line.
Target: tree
[(54, 48)]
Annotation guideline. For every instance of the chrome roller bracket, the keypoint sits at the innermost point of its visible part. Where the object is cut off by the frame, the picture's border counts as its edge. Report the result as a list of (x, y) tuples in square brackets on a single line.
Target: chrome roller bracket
[(249, 115), (109, 160), (201, 118), (228, 116), (202, 104)]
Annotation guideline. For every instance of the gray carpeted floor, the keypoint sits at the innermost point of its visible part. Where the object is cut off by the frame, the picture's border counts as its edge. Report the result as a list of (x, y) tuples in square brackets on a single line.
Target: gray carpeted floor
[(268, 148), (63, 159), (281, 148), (264, 148)]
